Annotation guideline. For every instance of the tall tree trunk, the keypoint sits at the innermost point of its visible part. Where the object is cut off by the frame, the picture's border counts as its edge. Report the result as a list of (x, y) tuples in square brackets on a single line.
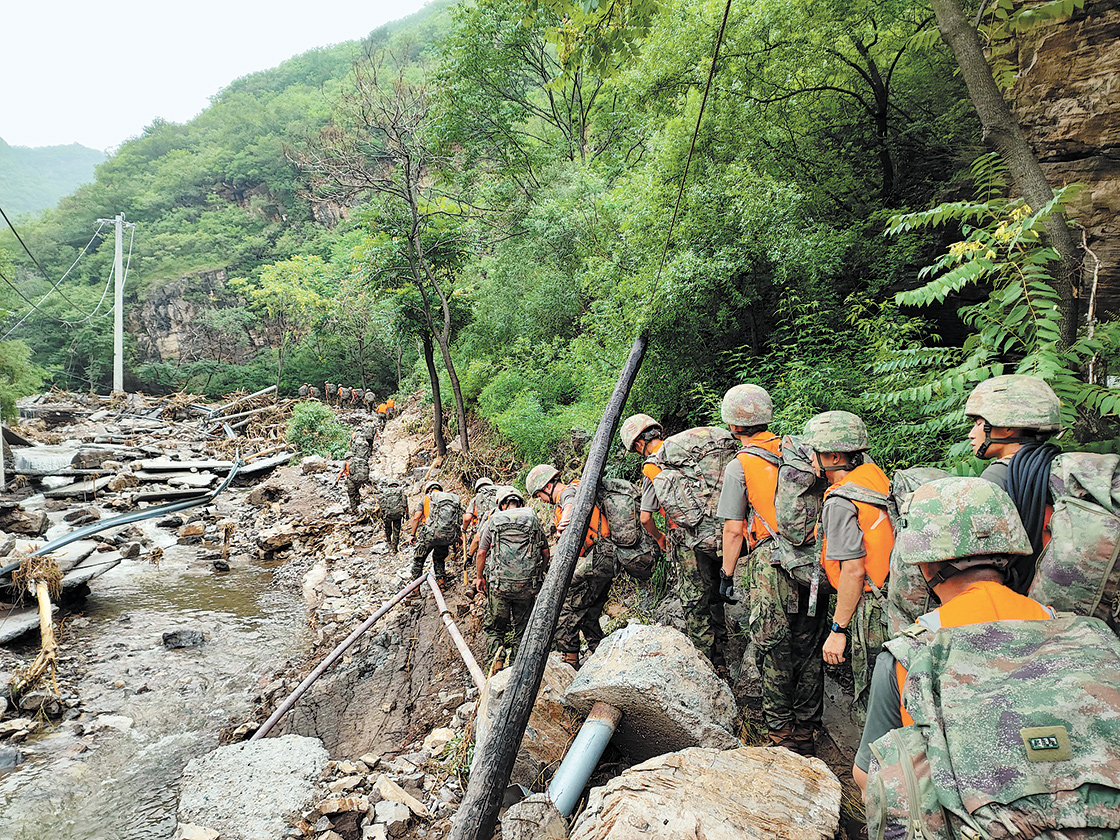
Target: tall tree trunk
[(437, 405), (1002, 132)]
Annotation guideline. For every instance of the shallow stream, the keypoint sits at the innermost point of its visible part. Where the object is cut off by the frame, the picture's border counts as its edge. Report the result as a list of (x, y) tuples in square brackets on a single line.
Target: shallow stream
[(113, 773)]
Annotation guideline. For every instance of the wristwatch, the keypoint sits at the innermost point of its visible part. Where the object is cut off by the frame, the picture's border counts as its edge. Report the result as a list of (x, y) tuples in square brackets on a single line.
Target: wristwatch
[(836, 628)]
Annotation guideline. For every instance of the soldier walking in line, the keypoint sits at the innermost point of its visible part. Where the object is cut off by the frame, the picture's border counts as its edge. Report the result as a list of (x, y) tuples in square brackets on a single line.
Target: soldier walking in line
[(434, 527), (393, 502), (357, 467)]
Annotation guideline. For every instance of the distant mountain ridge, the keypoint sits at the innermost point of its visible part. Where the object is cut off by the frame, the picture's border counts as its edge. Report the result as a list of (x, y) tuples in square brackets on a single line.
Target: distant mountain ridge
[(33, 179)]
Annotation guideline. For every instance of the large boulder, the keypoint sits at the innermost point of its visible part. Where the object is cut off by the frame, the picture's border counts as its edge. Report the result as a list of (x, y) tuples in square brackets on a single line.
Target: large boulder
[(750, 793), (248, 791), (670, 696), (552, 724)]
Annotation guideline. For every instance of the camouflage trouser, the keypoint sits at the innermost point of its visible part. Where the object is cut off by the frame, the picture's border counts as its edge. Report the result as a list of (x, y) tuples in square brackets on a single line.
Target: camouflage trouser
[(393, 532), (788, 643), (581, 611), (867, 632), (738, 615), (423, 548), (354, 491), (504, 622), (704, 618)]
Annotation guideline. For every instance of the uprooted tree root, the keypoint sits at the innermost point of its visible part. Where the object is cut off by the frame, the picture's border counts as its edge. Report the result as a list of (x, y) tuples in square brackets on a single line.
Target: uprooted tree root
[(42, 576)]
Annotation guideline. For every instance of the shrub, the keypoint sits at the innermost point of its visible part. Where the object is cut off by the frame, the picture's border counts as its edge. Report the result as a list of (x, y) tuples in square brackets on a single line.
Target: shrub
[(316, 431)]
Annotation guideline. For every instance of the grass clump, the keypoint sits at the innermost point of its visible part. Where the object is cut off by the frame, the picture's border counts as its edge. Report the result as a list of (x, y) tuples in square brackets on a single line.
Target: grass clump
[(316, 431)]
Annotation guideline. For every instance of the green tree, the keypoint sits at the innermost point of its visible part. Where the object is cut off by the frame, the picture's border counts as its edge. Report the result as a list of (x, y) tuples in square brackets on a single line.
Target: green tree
[(18, 377)]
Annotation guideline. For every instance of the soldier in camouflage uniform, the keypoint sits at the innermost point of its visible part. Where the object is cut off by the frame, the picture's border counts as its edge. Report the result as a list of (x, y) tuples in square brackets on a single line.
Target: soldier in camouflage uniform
[(329, 391), (303, 391), (963, 534), (594, 572), (786, 634), (357, 472), (1013, 416), (394, 508), (705, 621), (857, 538), (508, 607)]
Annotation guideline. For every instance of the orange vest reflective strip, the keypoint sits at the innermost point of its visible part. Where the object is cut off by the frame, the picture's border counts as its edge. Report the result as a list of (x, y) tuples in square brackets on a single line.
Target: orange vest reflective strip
[(981, 602), (761, 479), (878, 535)]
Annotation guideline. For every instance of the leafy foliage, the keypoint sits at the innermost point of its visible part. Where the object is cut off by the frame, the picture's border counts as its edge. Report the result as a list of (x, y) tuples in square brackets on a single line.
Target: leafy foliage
[(316, 431), (18, 377)]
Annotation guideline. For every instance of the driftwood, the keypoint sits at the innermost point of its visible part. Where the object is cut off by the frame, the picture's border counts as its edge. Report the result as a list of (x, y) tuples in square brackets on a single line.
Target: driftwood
[(478, 813)]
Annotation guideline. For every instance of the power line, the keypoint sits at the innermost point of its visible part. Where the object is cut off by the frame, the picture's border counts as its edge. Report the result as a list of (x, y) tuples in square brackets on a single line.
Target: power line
[(35, 307), (38, 264), (105, 291)]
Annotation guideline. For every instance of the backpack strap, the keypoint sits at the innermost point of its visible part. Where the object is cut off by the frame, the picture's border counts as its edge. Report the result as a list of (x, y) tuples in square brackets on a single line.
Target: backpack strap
[(764, 454), (858, 493)]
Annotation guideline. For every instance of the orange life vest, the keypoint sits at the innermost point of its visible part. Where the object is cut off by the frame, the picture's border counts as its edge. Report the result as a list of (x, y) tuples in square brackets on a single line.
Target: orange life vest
[(878, 535), (651, 471), (597, 528), (427, 508), (761, 479), (390, 404), (981, 602), (381, 409)]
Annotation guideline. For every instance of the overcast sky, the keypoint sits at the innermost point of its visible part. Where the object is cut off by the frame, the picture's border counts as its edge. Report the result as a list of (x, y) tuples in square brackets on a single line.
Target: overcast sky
[(97, 73)]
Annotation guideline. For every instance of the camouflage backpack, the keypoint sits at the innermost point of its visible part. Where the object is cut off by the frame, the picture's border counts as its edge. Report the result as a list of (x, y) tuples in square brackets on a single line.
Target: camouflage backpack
[(485, 500), (690, 482), (359, 458), (515, 565), (1016, 733), (1078, 570), (394, 503), (797, 505), (639, 559), (620, 502), (908, 596), (445, 517)]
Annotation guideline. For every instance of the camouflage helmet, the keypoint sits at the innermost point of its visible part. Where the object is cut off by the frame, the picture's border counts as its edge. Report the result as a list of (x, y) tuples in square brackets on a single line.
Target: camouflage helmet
[(836, 431), (505, 493), (539, 476), (482, 482), (432, 485), (955, 519), (747, 405), (1016, 401), (632, 428)]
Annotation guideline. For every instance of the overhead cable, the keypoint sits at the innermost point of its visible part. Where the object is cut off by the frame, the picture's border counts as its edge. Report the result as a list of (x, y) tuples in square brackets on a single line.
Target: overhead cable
[(38, 264), (35, 307)]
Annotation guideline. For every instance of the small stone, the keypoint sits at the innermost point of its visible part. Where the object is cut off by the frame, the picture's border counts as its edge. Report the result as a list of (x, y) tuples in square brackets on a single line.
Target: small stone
[(393, 792), (344, 784), (342, 805), (10, 758), (183, 638), (186, 831), (375, 832), (437, 740), (41, 701), (131, 551), (322, 824), (394, 816), (117, 722), (192, 529)]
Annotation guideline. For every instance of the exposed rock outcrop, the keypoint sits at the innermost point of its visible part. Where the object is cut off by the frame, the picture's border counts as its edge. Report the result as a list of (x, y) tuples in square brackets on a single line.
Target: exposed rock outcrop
[(1067, 99)]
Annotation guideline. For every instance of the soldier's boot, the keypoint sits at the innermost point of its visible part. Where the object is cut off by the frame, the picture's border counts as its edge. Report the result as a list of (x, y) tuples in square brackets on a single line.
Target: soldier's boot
[(572, 658), (782, 738), (803, 741)]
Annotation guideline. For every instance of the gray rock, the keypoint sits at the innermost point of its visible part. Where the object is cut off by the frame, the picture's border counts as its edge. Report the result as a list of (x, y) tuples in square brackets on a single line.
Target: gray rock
[(393, 815), (534, 818), (183, 638), (10, 758), (246, 791), (670, 696), (41, 701)]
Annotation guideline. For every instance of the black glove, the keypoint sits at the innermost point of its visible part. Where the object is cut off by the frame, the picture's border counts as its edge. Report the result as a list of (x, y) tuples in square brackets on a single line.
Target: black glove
[(726, 590)]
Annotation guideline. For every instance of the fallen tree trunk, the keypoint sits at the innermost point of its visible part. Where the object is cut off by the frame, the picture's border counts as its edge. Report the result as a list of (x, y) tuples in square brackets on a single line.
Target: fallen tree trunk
[(478, 813)]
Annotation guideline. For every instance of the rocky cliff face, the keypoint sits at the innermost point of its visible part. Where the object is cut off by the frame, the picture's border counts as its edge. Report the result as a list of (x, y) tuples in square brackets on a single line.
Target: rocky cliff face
[(1067, 100), (170, 323)]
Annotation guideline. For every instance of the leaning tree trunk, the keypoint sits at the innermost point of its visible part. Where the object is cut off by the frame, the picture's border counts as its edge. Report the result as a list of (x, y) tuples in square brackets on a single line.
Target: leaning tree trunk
[(1002, 132), (437, 405)]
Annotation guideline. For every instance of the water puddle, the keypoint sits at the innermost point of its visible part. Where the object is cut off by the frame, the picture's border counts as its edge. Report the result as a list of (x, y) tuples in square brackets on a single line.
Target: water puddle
[(113, 773)]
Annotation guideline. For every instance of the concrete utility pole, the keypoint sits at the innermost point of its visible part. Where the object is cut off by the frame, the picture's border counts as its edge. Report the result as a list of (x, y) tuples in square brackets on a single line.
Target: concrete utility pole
[(118, 304), (118, 308)]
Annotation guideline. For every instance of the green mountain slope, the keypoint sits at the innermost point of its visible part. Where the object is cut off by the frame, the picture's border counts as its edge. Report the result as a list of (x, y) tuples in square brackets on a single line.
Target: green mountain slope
[(33, 179)]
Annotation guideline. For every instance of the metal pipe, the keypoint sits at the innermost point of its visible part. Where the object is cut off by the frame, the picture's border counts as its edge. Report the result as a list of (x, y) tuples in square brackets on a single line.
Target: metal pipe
[(582, 757), (127, 519), (332, 657), (456, 636)]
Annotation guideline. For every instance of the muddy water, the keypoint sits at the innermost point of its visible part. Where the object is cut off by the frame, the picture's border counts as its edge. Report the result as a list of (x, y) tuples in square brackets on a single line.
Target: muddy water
[(112, 773)]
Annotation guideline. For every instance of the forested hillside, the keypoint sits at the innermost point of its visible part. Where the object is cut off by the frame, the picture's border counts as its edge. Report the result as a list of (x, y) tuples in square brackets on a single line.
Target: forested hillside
[(35, 179), (490, 199)]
